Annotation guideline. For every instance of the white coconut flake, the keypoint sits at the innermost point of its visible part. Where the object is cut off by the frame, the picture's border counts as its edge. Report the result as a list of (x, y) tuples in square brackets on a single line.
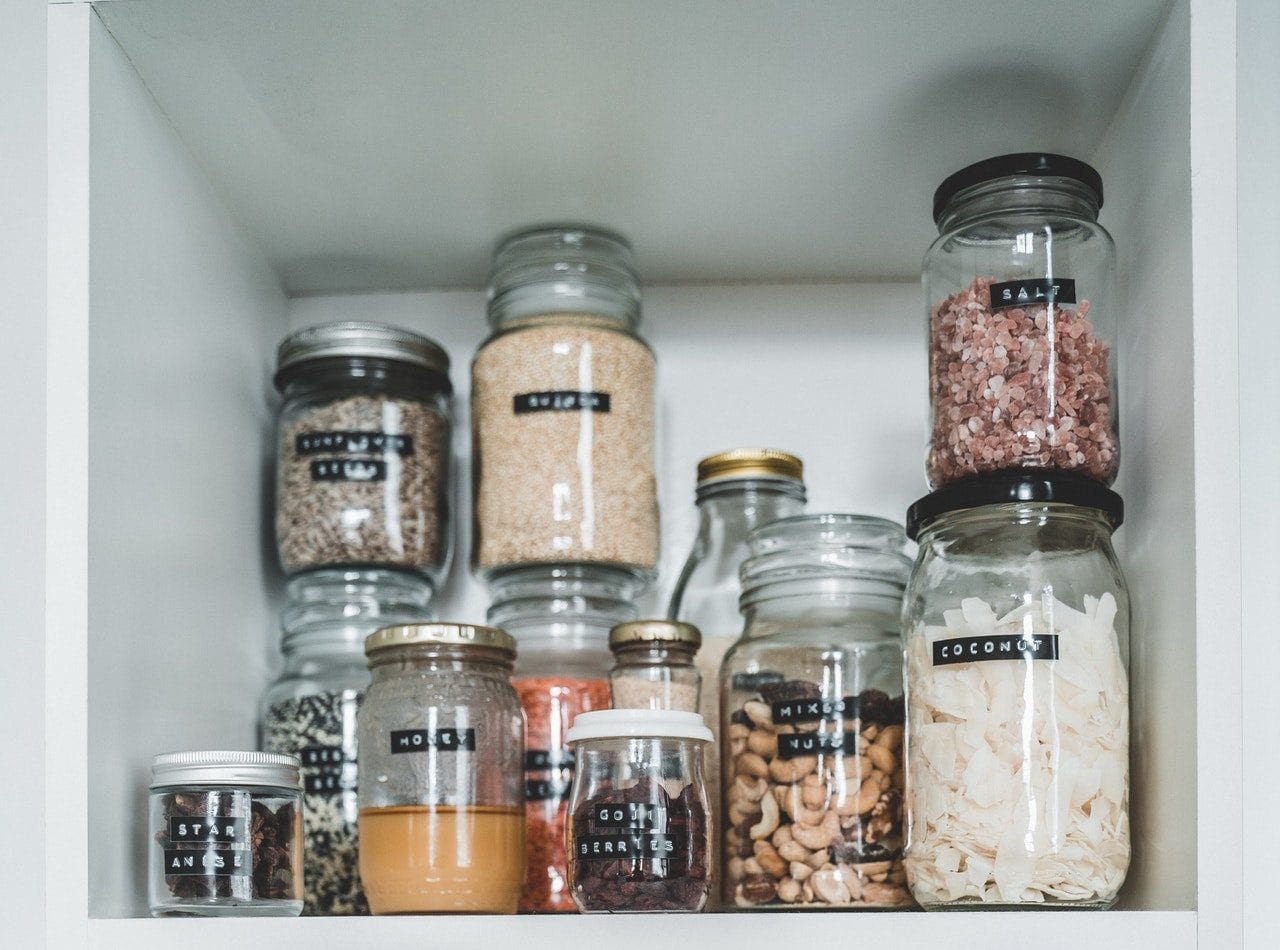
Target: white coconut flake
[(1018, 770)]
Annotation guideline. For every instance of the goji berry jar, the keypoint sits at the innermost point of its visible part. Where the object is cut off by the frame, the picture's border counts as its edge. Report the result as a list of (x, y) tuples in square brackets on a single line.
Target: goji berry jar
[(1022, 322)]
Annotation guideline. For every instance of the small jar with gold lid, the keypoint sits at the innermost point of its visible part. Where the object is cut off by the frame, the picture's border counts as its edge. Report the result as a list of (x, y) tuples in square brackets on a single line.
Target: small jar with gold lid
[(441, 782), (653, 665)]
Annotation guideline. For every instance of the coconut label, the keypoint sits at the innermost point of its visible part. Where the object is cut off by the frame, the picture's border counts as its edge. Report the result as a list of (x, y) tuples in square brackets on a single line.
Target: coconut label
[(995, 647)]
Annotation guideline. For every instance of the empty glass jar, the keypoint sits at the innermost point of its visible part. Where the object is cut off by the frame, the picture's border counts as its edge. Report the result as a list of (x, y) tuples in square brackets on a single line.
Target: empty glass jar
[(1017, 638), (813, 718), (653, 665), (1022, 325), (363, 460), (441, 785)]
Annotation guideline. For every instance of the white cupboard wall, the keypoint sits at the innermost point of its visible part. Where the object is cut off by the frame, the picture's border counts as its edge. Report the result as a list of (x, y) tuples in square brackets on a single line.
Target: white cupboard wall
[(218, 178)]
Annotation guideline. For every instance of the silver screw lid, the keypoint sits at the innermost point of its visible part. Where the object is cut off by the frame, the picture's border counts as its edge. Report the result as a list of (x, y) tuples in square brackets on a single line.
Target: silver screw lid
[(353, 338), (239, 769)]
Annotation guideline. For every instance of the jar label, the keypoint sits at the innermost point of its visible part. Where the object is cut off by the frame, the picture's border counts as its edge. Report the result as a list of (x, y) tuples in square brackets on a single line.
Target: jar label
[(634, 816), (348, 470), (202, 828), (795, 744), (672, 845), (1031, 293), (535, 760), (438, 740), (979, 649), (327, 770), (813, 710), (354, 443), (207, 862), (559, 762), (560, 400), (751, 682), (547, 789)]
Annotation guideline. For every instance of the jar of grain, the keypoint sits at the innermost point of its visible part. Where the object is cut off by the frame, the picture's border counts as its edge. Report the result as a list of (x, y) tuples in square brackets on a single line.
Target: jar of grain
[(653, 665), (1022, 322), (310, 711), (441, 742), (562, 408), (1016, 623), (362, 462), (812, 717), (560, 617)]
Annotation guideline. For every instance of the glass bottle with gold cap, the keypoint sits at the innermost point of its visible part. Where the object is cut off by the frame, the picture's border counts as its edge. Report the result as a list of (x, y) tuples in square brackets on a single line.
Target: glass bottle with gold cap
[(653, 665)]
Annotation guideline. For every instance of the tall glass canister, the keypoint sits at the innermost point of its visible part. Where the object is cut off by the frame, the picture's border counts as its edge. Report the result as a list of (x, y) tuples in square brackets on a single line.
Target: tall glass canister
[(562, 408), (812, 714), (1017, 637), (1022, 322), (310, 711)]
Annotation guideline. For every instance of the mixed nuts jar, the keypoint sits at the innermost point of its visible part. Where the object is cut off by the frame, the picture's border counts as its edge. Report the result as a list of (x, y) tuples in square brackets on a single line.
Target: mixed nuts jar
[(310, 711), (560, 618), (639, 832), (562, 408), (653, 665), (226, 831), (363, 460), (441, 791), (1022, 325), (813, 718), (1017, 625)]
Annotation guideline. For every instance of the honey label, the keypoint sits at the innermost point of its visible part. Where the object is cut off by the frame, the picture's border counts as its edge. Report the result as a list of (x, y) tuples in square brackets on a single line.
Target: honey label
[(434, 740)]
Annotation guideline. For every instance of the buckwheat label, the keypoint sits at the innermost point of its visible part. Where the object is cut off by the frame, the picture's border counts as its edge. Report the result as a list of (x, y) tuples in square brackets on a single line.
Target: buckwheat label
[(227, 830), (438, 740), (327, 770), (1030, 293), (353, 443), (208, 862), (795, 744), (668, 846), (996, 647), (561, 400), (348, 470)]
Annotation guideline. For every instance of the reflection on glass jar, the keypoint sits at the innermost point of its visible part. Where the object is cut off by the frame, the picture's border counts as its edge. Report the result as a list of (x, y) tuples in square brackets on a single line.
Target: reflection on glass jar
[(812, 714), (1017, 633), (441, 796)]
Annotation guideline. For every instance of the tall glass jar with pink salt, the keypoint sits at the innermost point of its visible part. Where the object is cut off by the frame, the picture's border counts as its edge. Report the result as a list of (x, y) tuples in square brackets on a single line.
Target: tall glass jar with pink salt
[(1022, 322)]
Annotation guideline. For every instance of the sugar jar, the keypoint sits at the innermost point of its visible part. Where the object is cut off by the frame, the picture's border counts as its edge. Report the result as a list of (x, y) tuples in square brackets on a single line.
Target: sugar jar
[(639, 824), (653, 665), (1022, 322), (1017, 626)]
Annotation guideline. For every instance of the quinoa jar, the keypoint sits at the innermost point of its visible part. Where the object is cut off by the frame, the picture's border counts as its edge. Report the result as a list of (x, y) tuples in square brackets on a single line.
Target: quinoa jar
[(812, 719), (562, 408), (441, 790), (1022, 322), (1017, 633), (363, 460)]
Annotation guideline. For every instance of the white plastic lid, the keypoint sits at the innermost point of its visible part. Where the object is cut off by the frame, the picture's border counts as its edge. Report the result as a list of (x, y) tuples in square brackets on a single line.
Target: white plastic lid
[(638, 723), (240, 769)]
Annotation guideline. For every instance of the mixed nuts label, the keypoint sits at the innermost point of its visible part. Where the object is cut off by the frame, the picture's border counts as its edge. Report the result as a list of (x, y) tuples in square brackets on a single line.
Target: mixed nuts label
[(438, 740), (995, 647), (817, 743), (561, 400), (1029, 293)]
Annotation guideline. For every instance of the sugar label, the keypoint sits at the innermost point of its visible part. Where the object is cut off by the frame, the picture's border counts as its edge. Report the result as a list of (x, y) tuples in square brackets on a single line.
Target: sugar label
[(561, 400)]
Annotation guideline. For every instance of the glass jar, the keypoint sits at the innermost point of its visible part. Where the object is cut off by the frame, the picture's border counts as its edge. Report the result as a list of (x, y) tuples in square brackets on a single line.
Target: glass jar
[(638, 837), (441, 796), (1017, 636), (812, 713), (363, 460), (653, 665), (560, 617), (226, 831), (310, 711), (1022, 326), (737, 491), (562, 408)]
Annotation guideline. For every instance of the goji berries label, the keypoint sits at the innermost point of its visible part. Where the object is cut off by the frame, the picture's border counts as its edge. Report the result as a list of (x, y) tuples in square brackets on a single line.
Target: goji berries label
[(671, 846)]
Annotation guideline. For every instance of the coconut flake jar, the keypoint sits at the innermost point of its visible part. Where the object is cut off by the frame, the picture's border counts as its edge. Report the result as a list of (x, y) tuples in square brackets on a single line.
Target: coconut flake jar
[(1016, 623)]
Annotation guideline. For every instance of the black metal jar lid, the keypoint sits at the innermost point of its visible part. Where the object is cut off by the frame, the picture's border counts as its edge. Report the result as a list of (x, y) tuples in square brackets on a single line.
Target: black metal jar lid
[(1015, 487), (1035, 164), (361, 339)]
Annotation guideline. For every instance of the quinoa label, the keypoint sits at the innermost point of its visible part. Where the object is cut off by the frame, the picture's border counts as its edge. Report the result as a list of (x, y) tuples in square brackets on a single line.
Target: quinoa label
[(202, 828), (353, 443), (795, 744), (1029, 293), (995, 647), (438, 740), (325, 768), (208, 862), (669, 846), (561, 400)]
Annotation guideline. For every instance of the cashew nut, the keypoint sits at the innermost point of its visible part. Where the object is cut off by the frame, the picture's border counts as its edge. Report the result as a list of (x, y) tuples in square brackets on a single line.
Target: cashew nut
[(743, 811), (792, 770), (818, 838), (759, 713), (789, 891), (793, 850), (869, 794), (829, 886), (751, 868), (748, 790), (880, 757), (800, 871), (751, 764), (769, 818), (770, 860), (735, 869), (883, 894), (782, 836), (763, 743), (814, 794), (738, 731), (890, 737), (794, 806), (817, 859)]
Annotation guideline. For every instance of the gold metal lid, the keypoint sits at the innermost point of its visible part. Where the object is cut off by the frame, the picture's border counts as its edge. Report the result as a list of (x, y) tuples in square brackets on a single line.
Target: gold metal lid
[(750, 463), (444, 634), (655, 631)]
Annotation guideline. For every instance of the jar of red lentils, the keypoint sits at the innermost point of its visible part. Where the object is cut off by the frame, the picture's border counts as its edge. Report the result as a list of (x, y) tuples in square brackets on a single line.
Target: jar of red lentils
[(1022, 322)]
